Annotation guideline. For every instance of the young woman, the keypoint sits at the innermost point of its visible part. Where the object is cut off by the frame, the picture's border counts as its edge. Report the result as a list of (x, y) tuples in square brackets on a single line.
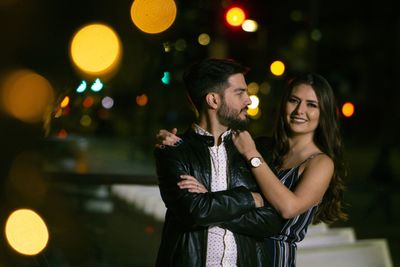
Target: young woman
[(300, 171)]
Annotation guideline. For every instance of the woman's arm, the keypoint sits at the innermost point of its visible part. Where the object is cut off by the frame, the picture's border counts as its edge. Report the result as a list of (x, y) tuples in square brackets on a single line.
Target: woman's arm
[(308, 192)]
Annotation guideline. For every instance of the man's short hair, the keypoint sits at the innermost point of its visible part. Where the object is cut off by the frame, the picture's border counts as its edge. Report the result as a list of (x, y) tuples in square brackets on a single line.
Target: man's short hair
[(209, 75)]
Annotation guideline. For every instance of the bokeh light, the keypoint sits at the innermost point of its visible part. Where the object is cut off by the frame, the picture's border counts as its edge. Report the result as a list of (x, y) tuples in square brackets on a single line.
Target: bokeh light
[(254, 102), (97, 85), (316, 35), (26, 232), (253, 88), (153, 16), (107, 102), (180, 45), (235, 16), (86, 120), (64, 103), (82, 87), (296, 15), (204, 39), (96, 50), (348, 109), (62, 134), (166, 78), (250, 25), (27, 96), (277, 68), (265, 88), (88, 102), (142, 100), (254, 113), (167, 47)]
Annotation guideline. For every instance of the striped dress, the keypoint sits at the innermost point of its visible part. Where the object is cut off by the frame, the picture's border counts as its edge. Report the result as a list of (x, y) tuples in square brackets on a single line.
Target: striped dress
[(282, 248)]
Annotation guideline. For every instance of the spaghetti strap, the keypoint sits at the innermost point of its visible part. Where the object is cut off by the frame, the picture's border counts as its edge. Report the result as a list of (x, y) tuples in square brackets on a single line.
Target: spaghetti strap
[(310, 157)]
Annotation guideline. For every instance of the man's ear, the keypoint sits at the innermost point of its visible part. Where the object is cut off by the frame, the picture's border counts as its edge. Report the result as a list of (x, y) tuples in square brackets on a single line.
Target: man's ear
[(213, 100)]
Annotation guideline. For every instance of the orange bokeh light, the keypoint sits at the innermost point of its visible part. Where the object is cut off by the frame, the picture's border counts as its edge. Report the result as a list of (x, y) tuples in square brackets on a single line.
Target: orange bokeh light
[(348, 109), (142, 100)]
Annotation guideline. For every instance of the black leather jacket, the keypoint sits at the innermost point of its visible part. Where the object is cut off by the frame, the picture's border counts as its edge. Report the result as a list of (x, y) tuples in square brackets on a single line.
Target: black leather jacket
[(184, 237)]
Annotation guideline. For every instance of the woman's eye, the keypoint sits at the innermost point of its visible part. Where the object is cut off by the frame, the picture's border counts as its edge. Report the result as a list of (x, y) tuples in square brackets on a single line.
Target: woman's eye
[(313, 105)]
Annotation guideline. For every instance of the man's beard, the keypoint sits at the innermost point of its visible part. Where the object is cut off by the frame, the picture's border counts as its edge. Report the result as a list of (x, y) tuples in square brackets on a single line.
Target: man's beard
[(228, 117)]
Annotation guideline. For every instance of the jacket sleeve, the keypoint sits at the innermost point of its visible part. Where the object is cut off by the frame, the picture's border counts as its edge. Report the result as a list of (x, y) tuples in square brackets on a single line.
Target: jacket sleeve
[(205, 209), (259, 223)]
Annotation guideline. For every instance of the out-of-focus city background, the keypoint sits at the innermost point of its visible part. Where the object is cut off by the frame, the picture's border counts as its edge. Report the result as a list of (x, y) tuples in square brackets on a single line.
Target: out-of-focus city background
[(86, 85)]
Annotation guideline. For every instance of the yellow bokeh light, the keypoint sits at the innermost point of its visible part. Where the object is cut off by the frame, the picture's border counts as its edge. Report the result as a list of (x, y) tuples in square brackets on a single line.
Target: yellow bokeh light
[(86, 121), (96, 50), (64, 102), (253, 88), (27, 96), (254, 113), (153, 16), (26, 232), (235, 16), (348, 109), (204, 39), (277, 68)]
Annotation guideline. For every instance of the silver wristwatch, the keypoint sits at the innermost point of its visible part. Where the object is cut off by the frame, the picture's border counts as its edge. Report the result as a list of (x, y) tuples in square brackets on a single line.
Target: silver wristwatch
[(255, 162)]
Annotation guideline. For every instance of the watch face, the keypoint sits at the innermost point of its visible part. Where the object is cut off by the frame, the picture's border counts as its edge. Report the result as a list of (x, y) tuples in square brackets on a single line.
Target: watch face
[(255, 162)]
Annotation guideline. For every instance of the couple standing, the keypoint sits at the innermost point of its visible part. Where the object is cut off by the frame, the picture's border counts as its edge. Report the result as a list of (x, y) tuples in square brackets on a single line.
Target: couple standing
[(232, 201)]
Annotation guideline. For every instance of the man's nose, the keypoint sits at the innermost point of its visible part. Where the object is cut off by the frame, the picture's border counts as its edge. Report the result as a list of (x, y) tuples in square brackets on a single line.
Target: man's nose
[(248, 100)]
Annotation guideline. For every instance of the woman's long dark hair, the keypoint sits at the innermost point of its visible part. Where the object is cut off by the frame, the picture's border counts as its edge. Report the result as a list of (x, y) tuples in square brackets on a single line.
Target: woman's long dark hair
[(327, 137)]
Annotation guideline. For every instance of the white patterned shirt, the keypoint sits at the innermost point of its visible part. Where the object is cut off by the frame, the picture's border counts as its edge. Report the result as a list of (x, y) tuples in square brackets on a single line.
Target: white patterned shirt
[(221, 244)]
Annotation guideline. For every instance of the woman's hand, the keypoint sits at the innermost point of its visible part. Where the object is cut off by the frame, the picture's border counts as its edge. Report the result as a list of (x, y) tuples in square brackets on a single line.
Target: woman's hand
[(165, 138), (191, 183), (245, 144)]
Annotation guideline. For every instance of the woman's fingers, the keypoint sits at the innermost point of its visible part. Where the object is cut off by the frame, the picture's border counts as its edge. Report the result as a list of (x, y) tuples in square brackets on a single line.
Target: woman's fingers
[(162, 134), (171, 140), (167, 138)]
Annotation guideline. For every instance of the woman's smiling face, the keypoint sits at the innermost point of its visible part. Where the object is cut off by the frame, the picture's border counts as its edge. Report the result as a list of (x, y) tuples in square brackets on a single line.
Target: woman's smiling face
[(302, 110)]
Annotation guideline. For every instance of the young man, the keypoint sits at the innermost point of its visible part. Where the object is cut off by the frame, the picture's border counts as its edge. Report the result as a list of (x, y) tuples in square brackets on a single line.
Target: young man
[(197, 228)]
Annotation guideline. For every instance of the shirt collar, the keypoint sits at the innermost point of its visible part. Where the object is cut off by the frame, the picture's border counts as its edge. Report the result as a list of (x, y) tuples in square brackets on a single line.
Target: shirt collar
[(198, 130)]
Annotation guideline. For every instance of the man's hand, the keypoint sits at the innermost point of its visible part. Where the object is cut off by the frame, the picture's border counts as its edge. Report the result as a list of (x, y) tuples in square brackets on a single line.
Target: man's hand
[(191, 184), (258, 199)]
